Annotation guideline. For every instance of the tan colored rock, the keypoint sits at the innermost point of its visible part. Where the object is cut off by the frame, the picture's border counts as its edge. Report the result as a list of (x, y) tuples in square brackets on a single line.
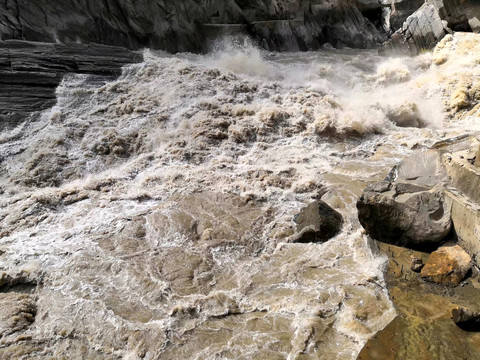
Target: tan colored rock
[(448, 265)]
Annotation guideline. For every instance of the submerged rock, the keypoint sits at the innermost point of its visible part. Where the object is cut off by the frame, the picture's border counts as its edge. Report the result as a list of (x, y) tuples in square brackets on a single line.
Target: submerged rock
[(423, 328), (317, 222), (448, 265)]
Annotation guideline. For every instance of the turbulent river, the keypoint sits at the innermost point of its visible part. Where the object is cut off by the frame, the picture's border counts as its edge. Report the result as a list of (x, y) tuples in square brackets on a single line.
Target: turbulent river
[(152, 216)]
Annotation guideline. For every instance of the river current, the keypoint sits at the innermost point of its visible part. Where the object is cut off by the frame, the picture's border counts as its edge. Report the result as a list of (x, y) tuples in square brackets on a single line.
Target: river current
[(152, 216)]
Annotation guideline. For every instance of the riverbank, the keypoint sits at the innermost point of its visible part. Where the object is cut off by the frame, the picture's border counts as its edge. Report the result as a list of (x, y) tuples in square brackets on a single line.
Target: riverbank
[(423, 328)]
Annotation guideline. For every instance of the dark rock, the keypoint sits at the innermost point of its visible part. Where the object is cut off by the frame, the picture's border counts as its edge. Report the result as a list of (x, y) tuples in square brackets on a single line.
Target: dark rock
[(466, 319), (416, 264), (408, 208), (449, 265), (180, 25), (30, 73), (416, 220), (461, 15), (421, 31), (317, 222), (401, 10), (430, 23)]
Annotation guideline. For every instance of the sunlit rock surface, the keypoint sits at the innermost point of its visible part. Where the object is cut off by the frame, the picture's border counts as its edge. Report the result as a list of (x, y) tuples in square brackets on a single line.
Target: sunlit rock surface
[(425, 27), (448, 265)]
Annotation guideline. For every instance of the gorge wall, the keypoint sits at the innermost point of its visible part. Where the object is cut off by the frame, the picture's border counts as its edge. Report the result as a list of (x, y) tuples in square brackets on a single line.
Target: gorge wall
[(278, 25), (177, 25)]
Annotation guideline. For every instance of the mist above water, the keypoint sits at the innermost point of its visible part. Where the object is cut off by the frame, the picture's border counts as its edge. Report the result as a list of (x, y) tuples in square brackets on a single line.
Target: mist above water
[(156, 211)]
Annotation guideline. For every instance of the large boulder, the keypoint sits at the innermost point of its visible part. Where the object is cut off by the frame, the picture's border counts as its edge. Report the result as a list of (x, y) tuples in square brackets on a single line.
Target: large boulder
[(409, 207), (317, 222), (448, 266), (404, 214)]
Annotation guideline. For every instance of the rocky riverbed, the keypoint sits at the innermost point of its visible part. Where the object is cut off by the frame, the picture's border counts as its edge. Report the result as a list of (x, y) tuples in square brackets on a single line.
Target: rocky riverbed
[(423, 328), (165, 214)]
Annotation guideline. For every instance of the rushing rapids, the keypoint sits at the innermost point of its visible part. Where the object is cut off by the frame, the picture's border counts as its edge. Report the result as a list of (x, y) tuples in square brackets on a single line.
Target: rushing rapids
[(152, 216)]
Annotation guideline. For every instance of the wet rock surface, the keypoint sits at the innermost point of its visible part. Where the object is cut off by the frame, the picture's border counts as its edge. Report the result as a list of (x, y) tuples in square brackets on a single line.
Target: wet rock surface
[(423, 328), (317, 222), (405, 215), (17, 313), (412, 207), (448, 265), (30, 73)]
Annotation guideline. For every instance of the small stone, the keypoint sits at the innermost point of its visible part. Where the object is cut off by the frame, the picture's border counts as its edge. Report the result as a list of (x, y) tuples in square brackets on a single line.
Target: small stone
[(416, 264), (448, 265)]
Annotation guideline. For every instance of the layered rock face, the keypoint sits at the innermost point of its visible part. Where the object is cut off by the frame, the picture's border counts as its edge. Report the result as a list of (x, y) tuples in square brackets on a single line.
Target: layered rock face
[(30, 73), (423, 29), (177, 26)]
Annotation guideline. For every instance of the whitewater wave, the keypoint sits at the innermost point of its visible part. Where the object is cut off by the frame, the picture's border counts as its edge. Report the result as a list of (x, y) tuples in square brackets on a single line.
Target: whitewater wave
[(153, 214)]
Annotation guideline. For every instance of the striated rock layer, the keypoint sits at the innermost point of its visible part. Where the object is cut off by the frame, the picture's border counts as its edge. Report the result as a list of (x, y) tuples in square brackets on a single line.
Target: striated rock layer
[(178, 25), (423, 29), (30, 73)]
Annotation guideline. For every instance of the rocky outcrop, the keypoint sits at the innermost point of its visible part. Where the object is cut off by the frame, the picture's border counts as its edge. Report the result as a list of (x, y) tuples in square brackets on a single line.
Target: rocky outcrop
[(407, 208), (423, 328), (423, 29), (317, 222), (177, 25), (448, 266), (424, 195), (277, 24), (30, 73), (404, 214)]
